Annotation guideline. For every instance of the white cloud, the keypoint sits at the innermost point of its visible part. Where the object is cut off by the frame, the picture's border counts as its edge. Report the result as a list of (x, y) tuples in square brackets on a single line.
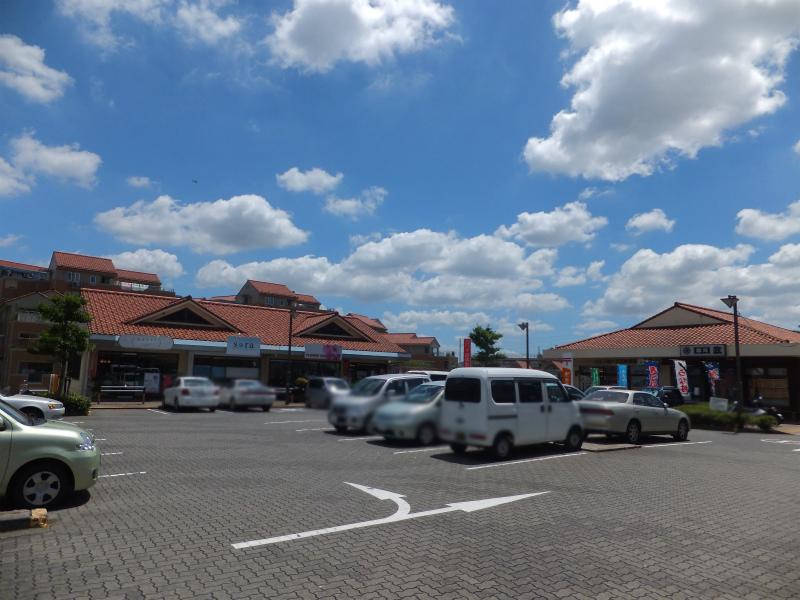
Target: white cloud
[(655, 80), (569, 276), (654, 220), (769, 226), (316, 34), (413, 320), (139, 181), (314, 180), (199, 21), (9, 240), (164, 264), (564, 224), (796, 147), (596, 325), (356, 208), (94, 17), (220, 227), (22, 69), (358, 239), (620, 247), (594, 270), (68, 163), (12, 180)]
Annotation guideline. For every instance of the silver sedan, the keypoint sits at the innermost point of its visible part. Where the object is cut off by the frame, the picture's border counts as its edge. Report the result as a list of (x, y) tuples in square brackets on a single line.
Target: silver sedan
[(631, 414), (36, 407)]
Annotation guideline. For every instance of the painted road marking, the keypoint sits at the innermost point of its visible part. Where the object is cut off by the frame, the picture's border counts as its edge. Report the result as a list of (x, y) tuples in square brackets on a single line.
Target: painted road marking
[(290, 410), (403, 513), (76, 422), (525, 460), (109, 453), (124, 474), (316, 429), (782, 441), (796, 450), (100, 439), (161, 412), (358, 439), (423, 450), (306, 421), (675, 444)]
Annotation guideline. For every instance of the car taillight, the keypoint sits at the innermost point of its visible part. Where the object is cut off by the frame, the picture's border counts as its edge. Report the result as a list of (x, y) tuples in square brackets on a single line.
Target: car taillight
[(591, 410), (185, 392)]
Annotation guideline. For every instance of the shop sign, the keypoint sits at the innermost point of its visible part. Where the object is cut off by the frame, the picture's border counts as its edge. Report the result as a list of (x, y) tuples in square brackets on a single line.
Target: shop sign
[(720, 404), (238, 345), (145, 342), (332, 352), (704, 351), (681, 377)]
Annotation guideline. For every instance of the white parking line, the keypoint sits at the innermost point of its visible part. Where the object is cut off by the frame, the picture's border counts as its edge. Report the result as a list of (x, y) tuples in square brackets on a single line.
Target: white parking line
[(781, 441), (124, 474), (75, 422), (100, 439), (675, 444), (796, 450), (109, 453), (306, 421), (316, 429), (161, 412), (525, 460), (372, 437), (290, 410), (423, 450)]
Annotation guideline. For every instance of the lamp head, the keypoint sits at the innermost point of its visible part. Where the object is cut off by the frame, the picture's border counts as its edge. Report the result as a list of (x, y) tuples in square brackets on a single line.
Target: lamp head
[(523, 325), (730, 301)]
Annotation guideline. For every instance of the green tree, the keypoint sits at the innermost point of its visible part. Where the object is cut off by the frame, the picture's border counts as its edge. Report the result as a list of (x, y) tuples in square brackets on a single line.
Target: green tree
[(66, 334), (486, 340)]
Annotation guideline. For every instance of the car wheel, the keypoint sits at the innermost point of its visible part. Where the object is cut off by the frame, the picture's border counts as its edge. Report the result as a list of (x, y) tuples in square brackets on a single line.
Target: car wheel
[(426, 434), (164, 404), (341, 429), (458, 448), (633, 432), (683, 431), (267, 407), (34, 413), (574, 440), (502, 447), (212, 409), (40, 485)]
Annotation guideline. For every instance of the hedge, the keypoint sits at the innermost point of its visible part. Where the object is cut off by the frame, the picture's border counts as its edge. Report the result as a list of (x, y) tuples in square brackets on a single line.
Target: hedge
[(703, 417)]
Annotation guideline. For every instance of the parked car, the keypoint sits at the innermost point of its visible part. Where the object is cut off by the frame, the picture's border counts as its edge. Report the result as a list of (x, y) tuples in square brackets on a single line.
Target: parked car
[(596, 388), (321, 391), (36, 407), (244, 393), (503, 408), (573, 392), (432, 375), (414, 417), (43, 462), (631, 414), (191, 392), (355, 410), (667, 394)]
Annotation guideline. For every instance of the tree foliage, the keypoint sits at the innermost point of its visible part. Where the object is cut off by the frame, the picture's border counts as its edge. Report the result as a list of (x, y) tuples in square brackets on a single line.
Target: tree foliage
[(486, 340), (66, 334)]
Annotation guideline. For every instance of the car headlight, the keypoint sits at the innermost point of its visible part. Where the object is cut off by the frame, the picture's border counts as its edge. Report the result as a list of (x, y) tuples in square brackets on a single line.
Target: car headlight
[(55, 405), (87, 443)]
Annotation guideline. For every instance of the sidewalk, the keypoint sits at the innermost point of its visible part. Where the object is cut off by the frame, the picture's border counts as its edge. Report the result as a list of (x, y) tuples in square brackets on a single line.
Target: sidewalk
[(132, 405), (788, 429)]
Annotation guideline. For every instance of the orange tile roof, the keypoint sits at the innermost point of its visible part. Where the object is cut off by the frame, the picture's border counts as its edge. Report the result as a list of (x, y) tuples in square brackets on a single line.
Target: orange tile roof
[(138, 277), (22, 266), (67, 260), (113, 312), (222, 298), (374, 323), (410, 339), (307, 299), (750, 332), (276, 289)]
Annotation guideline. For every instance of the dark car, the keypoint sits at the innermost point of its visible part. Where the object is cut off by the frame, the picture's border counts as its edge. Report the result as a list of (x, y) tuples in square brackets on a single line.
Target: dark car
[(667, 394)]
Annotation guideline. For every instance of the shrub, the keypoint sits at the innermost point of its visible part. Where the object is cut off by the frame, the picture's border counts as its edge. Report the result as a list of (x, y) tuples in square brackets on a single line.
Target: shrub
[(703, 417), (764, 422), (75, 404)]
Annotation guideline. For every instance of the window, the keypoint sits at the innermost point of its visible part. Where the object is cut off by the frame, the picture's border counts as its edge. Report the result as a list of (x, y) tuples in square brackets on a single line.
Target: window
[(73, 277), (184, 316), (92, 279), (504, 391), (396, 388), (332, 330), (462, 389), (555, 393), (641, 399), (33, 371), (530, 390), (653, 401), (412, 383)]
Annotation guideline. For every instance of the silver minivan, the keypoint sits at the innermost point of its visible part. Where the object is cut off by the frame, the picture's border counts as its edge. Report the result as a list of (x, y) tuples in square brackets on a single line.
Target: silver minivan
[(355, 410), (321, 391)]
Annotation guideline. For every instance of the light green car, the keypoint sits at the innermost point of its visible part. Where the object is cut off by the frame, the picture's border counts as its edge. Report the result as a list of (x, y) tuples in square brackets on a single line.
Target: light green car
[(415, 416), (41, 464)]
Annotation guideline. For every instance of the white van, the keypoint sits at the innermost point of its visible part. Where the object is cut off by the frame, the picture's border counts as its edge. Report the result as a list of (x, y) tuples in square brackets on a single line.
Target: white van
[(502, 408), (433, 375)]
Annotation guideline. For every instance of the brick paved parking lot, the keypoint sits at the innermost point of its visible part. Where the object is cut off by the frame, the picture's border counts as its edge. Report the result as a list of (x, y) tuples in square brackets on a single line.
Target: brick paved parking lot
[(712, 520)]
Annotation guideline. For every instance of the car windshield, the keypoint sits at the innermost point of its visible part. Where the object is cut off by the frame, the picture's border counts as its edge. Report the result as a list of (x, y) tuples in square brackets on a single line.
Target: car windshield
[(607, 396), (337, 384), (247, 383), (368, 387), (19, 417), (196, 382), (422, 394)]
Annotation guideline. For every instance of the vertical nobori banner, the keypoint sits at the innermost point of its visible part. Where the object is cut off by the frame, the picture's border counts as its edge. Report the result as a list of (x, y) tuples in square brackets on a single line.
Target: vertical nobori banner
[(622, 375), (467, 352), (653, 372), (681, 378), (712, 371), (595, 376)]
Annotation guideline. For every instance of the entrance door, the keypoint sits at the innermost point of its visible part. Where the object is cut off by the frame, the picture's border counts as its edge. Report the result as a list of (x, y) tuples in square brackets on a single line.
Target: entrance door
[(531, 412), (560, 411)]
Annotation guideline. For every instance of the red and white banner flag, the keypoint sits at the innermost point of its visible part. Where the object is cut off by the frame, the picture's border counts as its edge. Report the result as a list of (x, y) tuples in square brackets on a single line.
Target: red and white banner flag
[(467, 352), (681, 378)]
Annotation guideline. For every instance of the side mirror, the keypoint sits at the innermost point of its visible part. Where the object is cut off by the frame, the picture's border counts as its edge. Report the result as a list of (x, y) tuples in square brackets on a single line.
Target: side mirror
[(665, 405)]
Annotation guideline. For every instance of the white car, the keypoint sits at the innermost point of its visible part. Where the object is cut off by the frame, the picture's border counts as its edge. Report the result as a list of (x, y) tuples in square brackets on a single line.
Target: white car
[(191, 392), (502, 408), (631, 413), (244, 393), (36, 407)]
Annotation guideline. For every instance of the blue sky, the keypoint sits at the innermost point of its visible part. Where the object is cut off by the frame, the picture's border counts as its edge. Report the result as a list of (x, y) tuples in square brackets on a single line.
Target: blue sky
[(579, 165)]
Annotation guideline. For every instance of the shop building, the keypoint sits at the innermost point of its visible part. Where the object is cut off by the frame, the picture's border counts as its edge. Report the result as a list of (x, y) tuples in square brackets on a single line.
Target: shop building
[(701, 337), (146, 339)]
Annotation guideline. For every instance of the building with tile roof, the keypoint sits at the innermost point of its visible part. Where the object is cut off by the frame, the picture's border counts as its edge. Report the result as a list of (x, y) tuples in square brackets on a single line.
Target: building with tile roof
[(265, 293), (696, 335)]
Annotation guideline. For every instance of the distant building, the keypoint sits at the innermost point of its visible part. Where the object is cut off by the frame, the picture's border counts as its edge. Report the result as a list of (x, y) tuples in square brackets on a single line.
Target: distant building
[(274, 295)]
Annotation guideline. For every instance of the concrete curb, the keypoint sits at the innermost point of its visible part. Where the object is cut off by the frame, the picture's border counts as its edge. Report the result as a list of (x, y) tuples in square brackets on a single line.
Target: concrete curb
[(590, 447), (12, 520)]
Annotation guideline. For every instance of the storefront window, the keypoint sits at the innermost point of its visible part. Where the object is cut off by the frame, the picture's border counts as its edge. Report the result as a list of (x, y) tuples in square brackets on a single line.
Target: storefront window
[(223, 369), (33, 371), (301, 368), (154, 371)]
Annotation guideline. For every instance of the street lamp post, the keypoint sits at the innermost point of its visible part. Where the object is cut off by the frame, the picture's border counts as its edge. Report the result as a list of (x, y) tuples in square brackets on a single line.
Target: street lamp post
[(733, 302), (525, 326), (292, 308)]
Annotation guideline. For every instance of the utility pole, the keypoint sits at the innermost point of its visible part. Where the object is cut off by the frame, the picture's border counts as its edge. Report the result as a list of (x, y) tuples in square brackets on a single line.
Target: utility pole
[(525, 326)]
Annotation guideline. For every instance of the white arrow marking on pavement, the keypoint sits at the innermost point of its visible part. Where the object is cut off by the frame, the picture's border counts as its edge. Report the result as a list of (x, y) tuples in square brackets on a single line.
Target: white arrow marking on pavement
[(402, 514), (675, 444)]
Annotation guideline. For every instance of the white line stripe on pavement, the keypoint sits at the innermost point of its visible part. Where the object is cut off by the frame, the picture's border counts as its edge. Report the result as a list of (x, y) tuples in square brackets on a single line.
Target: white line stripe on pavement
[(358, 439), (109, 453), (316, 429), (423, 450), (124, 474), (796, 450), (525, 460), (75, 422), (675, 444), (161, 412), (306, 421), (100, 439), (782, 441)]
